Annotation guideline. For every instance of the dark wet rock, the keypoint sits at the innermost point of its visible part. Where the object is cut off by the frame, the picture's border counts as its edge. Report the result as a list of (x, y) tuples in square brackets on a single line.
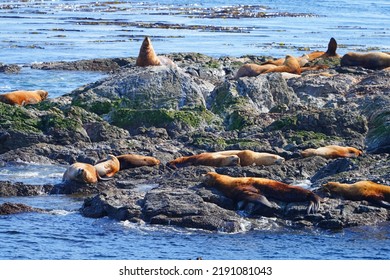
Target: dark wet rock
[(101, 65), (10, 68), (8, 188), (8, 208)]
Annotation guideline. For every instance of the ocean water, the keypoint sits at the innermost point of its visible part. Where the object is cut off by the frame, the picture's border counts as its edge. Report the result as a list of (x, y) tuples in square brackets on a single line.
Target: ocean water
[(55, 30)]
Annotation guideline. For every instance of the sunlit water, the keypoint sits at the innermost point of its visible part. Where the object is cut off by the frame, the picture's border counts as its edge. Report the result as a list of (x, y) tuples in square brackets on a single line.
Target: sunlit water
[(55, 30)]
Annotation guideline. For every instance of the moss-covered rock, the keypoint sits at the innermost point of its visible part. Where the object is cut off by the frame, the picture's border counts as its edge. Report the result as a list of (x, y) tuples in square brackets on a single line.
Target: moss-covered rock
[(132, 119), (18, 118)]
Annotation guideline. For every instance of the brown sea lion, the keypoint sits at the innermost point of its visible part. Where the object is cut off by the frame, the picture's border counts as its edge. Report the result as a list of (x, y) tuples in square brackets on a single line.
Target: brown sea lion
[(131, 160), (330, 52), (253, 189), (252, 70), (23, 97), (108, 167), (371, 60), (82, 172), (147, 56), (207, 159), (248, 157), (332, 151), (361, 190), (290, 65)]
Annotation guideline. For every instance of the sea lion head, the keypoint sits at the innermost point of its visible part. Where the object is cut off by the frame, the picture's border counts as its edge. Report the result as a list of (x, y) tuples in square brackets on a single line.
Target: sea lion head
[(332, 47), (43, 94), (331, 187), (232, 160), (209, 178)]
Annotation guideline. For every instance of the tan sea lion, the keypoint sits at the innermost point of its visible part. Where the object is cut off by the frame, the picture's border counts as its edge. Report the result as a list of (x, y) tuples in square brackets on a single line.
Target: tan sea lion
[(371, 60), (23, 97), (290, 65), (130, 161), (332, 151), (248, 157), (207, 159), (361, 190), (252, 70), (108, 167), (253, 189), (82, 172), (147, 56)]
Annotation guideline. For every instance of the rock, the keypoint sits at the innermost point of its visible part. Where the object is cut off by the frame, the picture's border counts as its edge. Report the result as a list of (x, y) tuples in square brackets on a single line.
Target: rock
[(101, 65), (8, 208), (157, 87), (19, 189), (10, 68)]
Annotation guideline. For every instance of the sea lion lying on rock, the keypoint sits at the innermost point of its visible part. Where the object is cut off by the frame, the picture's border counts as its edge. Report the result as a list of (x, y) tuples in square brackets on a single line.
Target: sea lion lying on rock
[(332, 151), (83, 173), (107, 167), (258, 190), (23, 97), (130, 161), (207, 159), (248, 157), (371, 60), (362, 190)]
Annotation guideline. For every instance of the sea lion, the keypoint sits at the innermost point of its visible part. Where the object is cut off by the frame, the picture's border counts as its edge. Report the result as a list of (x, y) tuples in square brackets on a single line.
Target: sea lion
[(147, 56), (332, 151), (290, 65), (252, 70), (130, 161), (258, 190), (108, 167), (207, 159), (371, 60), (361, 190), (330, 52), (23, 97), (83, 173), (248, 157)]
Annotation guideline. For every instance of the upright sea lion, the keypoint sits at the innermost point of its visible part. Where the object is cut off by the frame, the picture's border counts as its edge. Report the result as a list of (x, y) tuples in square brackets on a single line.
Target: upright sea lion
[(361, 190), (23, 97), (371, 60), (108, 167), (248, 157), (147, 56), (130, 161), (330, 52), (82, 172), (207, 159), (255, 189), (332, 151)]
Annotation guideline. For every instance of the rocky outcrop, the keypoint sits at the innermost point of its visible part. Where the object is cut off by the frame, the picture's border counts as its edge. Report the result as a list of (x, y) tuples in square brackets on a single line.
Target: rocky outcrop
[(193, 107)]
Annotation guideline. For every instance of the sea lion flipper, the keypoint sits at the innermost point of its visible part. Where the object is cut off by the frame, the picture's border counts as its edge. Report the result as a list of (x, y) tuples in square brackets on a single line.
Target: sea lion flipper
[(259, 199)]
